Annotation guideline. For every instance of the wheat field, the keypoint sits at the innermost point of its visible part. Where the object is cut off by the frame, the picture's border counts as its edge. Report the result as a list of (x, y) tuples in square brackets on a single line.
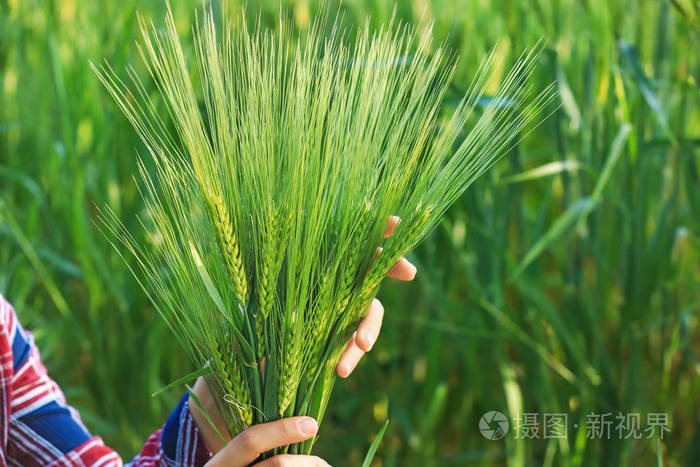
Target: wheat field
[(565, 281)]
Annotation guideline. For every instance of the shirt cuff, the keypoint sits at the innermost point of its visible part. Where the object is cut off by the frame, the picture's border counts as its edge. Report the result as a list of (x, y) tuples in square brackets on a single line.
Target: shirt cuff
[(181, 442)]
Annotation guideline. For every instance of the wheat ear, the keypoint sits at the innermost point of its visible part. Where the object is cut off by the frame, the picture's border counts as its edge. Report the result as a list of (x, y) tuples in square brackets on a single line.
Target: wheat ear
[(267, 280), (234, 386), (290, 369), (229, 246)]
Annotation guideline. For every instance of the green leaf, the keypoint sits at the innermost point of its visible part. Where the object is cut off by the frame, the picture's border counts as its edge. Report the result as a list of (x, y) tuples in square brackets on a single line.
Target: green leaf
[(686, 8), (552, 168), (579, 209), (524, 336), (630, 57), (375, 445), (61, 264), (435, 409), (27, 182), (560, 226), (185, 379), (30, 252), (568, 100), (613, 157)]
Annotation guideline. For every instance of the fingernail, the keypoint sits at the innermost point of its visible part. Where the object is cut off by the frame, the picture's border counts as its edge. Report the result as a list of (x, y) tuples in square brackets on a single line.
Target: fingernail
[(308, 426), (347, 369), (370, 338)]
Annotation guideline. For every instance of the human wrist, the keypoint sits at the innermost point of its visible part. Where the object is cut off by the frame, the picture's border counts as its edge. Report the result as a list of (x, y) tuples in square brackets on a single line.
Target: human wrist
[(208, 405)]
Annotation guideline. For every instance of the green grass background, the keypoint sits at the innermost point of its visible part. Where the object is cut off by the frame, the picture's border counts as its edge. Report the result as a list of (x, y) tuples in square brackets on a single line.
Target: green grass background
[(571, 289)]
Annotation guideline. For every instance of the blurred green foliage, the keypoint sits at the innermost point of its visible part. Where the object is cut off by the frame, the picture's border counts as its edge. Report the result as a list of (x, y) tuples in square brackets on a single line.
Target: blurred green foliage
[(566, 280)]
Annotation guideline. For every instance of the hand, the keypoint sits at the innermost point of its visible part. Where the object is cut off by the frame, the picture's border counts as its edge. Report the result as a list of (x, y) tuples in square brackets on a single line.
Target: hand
[(361, 342), (366, 335), (248, 445)]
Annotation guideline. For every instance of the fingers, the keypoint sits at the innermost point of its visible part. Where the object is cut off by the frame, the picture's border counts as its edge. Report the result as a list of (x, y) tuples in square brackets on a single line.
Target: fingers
[(288, 460), (348, 361), (248, 445), (362, 341), (391, 225), (370, 326), (403, 270)]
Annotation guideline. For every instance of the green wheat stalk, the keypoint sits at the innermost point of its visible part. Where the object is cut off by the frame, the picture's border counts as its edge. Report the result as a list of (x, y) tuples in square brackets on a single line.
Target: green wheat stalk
[(272, 180)]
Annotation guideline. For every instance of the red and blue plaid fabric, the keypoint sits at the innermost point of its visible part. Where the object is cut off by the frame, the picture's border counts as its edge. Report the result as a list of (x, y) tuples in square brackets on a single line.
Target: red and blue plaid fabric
[(39, 429)]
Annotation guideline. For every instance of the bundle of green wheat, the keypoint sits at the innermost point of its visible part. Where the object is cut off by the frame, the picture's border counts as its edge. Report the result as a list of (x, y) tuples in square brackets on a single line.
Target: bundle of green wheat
[(272, 179)]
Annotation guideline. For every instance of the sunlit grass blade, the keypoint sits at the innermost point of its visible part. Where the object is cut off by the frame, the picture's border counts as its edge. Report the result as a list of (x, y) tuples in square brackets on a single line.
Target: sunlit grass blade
[(372, 451)]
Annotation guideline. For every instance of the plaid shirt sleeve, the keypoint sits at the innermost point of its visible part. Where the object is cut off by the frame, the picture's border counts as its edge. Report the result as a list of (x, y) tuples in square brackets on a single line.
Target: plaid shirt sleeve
[(177, 443), (38, 428)]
